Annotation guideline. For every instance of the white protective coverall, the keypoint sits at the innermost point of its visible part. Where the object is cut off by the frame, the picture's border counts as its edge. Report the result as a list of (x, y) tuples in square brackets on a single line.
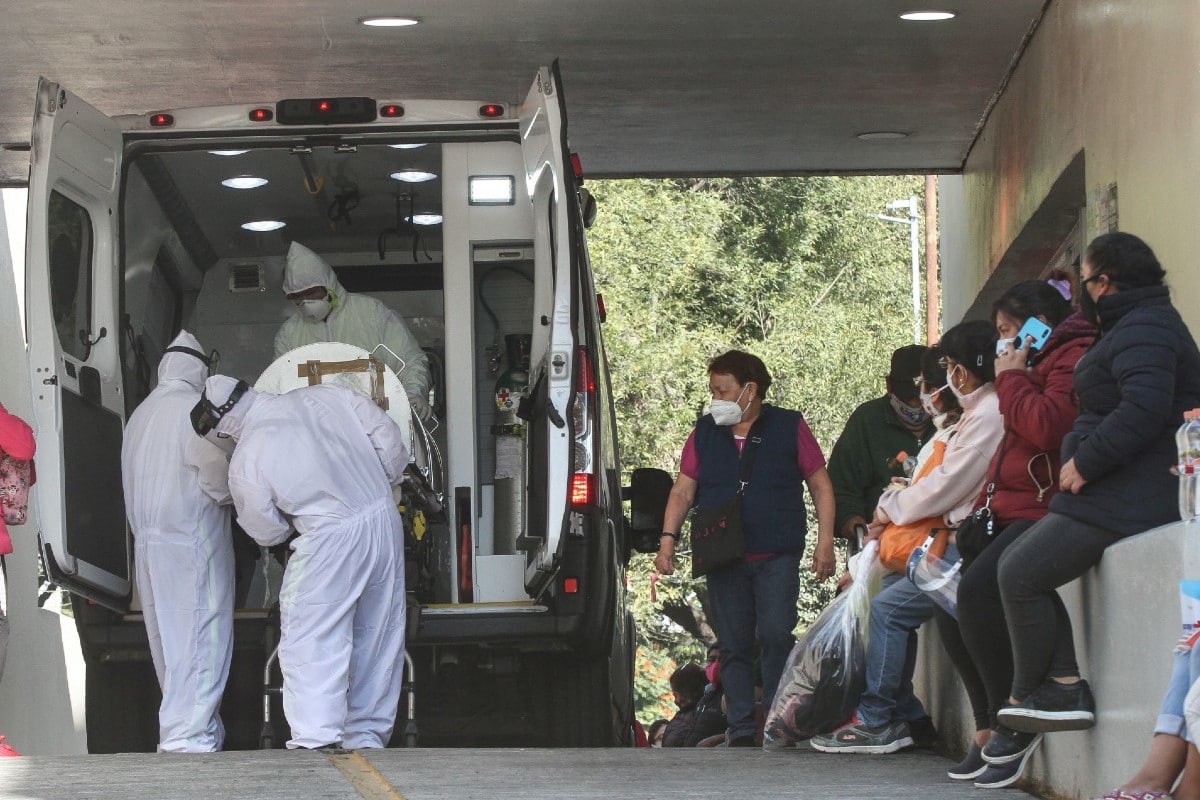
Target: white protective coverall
[(175, 485), (322, 459), (355, 319)]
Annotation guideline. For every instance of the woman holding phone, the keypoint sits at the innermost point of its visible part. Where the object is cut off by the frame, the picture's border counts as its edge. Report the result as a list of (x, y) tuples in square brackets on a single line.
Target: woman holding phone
[(1038, 410)]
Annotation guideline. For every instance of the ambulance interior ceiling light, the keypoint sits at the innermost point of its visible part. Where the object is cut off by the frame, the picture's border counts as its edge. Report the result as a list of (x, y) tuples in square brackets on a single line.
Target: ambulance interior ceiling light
[(413, 176), (881, 136), (227, 152), (244, 182), (491, 190), (928, 15), (425, 219), (263, 225), (389, 22), (407, 145)]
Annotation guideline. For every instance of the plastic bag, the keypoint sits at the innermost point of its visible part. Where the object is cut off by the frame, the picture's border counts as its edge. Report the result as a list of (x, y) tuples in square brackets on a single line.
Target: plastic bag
[(935, 576), (825, 675)]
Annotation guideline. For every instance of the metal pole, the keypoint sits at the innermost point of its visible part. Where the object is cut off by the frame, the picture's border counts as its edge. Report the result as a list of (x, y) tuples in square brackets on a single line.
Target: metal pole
[(913, 218), (931, 259)]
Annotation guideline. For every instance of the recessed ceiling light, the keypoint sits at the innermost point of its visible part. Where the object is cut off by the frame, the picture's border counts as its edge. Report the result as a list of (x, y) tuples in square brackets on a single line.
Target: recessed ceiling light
[(263, 225), (413, 176), (928, 16), (425, 219), (244, 182), (388, 22), (406, 146), (874, 136), (227, 152)]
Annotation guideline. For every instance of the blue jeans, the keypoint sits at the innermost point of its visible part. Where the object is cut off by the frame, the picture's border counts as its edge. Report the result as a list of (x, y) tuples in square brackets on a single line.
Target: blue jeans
[(1185, 669), (753, 596), (896, 613)]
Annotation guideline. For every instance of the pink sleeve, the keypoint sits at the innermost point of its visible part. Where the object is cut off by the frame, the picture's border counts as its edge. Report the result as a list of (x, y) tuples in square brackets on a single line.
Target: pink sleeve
[(809, 457), (689, 463), (16, 437)]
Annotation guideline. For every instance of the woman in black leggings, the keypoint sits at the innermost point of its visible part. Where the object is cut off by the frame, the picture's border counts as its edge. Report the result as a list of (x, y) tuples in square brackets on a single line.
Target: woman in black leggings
[(1034, 387), (1133, 386)]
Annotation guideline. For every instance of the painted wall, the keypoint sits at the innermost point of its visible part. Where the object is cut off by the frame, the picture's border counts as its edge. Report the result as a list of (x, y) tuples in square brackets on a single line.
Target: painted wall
[(1120, 81)]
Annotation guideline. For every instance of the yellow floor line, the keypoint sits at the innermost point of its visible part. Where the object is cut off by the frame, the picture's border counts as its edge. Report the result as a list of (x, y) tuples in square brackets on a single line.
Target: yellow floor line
[(365, 779)]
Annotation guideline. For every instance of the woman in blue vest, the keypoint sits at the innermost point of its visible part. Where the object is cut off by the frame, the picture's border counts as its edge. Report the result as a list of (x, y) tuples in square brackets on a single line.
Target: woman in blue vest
[(759, 593)]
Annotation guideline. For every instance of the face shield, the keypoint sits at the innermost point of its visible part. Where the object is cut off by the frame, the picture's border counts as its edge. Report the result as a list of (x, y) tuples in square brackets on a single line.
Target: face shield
[(206, 416)]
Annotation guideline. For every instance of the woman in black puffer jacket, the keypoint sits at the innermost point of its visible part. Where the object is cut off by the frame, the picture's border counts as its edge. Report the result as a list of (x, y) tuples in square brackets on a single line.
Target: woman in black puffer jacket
[(1133, 386)]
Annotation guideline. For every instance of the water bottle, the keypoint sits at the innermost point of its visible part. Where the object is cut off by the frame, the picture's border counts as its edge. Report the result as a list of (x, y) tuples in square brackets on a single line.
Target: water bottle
[(1187, 439)]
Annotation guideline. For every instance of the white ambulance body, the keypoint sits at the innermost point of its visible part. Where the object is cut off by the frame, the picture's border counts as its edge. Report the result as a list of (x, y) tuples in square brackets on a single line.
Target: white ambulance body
[(467, 219)]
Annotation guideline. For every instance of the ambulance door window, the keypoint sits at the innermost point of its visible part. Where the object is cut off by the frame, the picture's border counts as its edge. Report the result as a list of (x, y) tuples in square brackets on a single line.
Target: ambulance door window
[(70, 260)]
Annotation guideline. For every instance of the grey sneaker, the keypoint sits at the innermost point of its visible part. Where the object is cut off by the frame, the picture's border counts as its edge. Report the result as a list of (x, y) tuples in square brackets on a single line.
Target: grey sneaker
[(858, 738), (776, 742)]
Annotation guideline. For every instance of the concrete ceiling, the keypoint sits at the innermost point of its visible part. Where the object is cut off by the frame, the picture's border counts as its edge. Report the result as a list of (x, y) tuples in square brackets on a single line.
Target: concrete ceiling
[(653, 87)]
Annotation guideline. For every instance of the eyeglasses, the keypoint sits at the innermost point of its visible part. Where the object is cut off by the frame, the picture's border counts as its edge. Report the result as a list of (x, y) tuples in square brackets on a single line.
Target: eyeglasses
[(945, 363), (1086, 281)]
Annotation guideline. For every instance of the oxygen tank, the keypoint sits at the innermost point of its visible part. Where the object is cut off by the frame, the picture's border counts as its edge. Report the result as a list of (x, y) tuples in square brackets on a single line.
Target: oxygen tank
[(509, 430)]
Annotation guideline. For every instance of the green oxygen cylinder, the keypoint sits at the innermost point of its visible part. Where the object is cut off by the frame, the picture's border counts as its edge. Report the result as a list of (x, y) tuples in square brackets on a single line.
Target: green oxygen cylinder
[(509, 431)]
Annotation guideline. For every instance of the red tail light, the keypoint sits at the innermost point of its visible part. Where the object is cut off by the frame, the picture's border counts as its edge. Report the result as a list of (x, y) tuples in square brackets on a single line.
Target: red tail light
[(491, 110), (583, 489), (161, 121), (262, 115), (570, 585), (577, 165), (585, 380)]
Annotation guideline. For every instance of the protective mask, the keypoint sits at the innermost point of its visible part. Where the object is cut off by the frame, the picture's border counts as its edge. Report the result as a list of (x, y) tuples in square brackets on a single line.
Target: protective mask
[(957, 393), (912, 415), (927, 401), (316, 310), (727, 412)]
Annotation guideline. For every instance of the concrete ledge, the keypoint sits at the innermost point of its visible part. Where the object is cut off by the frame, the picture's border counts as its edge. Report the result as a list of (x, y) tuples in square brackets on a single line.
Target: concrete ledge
[(1126, 616)]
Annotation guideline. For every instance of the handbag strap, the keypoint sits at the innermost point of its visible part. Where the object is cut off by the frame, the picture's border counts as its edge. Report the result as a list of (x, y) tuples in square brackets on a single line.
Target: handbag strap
[(749, 450), (991, 487)]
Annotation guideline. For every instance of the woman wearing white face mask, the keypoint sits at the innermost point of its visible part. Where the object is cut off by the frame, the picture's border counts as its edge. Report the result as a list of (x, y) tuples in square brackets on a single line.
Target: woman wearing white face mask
[(758, 594), (889, 706)]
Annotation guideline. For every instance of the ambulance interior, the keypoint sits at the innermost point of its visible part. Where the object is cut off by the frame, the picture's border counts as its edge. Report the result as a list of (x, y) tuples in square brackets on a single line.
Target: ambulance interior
[(441, 232)]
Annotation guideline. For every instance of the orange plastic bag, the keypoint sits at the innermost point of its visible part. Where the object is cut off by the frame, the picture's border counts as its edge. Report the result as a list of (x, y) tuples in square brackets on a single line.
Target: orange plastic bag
[(897, 542)]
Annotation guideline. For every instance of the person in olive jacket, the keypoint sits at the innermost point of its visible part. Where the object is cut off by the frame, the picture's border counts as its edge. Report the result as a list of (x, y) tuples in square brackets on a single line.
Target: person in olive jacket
[(1133, 385), (863, 460)]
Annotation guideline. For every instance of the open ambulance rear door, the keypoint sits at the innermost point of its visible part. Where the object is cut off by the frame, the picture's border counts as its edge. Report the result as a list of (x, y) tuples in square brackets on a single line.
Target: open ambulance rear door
[(72, 307), (550, 181)]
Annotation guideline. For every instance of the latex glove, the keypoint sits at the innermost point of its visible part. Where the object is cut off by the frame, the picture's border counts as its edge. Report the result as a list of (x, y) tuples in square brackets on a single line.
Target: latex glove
[(420, 407)]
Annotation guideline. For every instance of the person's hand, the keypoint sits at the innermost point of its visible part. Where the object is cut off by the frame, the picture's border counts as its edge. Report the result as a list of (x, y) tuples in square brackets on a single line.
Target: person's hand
[(664, 562), (1069, 479), (874, 531), (880, 519), (824, 559), (1013, 358), (420, 407), (848, 526)]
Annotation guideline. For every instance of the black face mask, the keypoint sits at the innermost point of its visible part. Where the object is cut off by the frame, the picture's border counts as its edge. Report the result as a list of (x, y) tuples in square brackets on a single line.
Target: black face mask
[(1087, 307)]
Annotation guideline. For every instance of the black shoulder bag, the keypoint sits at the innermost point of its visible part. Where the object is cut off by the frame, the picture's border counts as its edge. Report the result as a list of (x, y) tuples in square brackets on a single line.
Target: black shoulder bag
[(980, 527), (718, 537)]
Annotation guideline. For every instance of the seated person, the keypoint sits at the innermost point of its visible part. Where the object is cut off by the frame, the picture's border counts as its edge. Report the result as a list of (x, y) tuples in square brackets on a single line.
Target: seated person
[(696, 719), (325, 312)]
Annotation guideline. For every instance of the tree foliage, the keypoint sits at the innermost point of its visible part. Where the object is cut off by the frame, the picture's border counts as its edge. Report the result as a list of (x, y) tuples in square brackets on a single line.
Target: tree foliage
[(795, 270)]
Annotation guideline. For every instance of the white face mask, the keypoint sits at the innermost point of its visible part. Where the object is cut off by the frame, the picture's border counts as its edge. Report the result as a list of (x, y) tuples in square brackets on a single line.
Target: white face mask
[(927, 401), (727, 412), (315, 310), (957, 392)]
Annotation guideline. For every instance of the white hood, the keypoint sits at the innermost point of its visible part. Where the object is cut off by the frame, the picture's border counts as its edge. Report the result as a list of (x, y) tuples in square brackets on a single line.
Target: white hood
[(217, 389), (305, 270), (183, 366)]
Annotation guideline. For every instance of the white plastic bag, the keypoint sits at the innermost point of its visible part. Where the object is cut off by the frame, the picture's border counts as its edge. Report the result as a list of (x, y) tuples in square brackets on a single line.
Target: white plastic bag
[(935, 576), (825, 675)]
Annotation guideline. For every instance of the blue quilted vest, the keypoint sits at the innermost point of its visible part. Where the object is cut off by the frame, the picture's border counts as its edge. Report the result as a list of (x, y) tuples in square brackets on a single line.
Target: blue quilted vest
[(773, 508)]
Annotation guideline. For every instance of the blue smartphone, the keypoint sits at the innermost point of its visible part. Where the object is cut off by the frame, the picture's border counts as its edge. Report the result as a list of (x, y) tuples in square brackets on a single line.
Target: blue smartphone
[(1033, 328)]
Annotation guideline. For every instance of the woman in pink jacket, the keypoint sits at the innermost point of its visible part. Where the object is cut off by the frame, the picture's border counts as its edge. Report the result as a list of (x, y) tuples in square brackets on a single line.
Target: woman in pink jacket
[(16, 441)]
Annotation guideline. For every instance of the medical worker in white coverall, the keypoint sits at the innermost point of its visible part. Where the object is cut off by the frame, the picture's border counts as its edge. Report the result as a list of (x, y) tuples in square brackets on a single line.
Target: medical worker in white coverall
[(322, 460), (177, 500), (328, 313)]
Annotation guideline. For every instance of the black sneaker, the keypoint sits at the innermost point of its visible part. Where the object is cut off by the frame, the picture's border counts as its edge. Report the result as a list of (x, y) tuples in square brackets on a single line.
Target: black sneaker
[(742, 741), (997, 776), (1053, 706), (1007, 745), (924, 735), (970, 767)]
